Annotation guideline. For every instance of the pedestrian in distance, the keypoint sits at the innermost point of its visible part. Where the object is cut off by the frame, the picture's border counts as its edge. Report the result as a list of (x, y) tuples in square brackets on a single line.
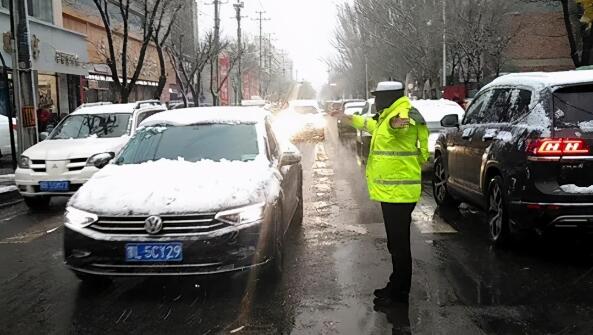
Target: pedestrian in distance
[(399, 148)]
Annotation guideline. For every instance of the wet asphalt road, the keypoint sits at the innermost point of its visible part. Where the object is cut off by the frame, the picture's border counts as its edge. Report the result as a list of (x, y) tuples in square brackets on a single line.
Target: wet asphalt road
[(333, 262)]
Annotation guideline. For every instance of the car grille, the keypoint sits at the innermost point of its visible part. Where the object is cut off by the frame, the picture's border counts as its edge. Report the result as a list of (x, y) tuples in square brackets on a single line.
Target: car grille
[(77, 164), (173, 225), (38, 165)]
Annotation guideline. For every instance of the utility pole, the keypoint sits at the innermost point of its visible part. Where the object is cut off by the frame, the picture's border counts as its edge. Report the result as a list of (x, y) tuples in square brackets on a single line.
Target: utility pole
[(261, 19), (216, 46), (25, 96), (444, 44), (238, 6), (366, 77)]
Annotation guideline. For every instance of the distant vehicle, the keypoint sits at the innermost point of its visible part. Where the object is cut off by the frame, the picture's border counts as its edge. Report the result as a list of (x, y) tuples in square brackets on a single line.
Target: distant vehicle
[(302, 120), (350, 108), (80, 145), (206, 192), (5, 135), (523, 152), (431, 110)]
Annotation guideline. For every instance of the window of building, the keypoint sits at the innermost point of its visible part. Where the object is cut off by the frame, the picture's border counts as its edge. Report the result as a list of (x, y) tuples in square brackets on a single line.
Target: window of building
[(41, 9)]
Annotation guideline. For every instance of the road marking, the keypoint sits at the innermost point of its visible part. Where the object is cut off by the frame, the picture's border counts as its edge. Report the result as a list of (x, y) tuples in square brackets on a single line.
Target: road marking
[(29, 236)]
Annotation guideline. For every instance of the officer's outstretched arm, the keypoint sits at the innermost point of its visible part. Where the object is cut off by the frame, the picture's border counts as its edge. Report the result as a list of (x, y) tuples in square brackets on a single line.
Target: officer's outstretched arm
[(364, 123), (423, 134)]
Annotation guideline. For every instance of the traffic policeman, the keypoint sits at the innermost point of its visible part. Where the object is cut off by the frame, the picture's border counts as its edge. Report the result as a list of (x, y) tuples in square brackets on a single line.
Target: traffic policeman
[(399, 148)]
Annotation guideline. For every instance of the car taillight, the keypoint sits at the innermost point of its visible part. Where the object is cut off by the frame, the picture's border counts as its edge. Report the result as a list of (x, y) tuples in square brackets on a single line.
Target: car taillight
[(558, 147)]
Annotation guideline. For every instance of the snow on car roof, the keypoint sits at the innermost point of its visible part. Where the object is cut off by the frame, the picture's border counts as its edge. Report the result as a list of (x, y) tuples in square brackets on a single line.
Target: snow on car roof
[(128, 108), (540, 80), (355, 104), (200, 115), (434, 110)]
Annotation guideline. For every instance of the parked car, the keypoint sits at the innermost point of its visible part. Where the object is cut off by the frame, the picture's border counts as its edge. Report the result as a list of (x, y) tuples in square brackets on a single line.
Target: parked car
[(431, 110), (350, 108), (200, 193), (523, 153), (77, 148)]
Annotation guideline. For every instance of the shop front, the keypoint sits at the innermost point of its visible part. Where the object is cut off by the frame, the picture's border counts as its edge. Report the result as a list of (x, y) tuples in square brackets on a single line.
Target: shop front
[(59, 62)]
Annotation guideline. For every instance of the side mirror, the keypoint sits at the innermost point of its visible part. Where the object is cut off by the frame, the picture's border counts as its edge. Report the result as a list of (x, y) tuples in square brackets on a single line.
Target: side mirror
[(43, 136), (450, 121), (101, 160), (290, 158)]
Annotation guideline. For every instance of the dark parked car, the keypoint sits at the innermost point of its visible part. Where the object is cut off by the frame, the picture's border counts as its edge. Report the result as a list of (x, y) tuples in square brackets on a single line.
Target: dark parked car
[(523, 153), (198, 193)]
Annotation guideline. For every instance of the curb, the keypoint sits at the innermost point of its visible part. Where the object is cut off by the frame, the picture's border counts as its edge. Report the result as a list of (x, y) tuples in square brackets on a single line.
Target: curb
[(10, 198)]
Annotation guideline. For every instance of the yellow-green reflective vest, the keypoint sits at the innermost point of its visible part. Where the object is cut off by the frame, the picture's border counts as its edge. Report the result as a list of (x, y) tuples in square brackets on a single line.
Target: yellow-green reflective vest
[(394, 168)]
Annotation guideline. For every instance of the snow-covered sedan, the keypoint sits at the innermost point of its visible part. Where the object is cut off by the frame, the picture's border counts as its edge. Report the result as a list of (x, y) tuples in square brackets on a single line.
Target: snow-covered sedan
[(77, 148), (195, 192)]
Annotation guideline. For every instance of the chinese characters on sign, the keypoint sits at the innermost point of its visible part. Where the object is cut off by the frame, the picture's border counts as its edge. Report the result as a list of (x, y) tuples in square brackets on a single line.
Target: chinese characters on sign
[(67, 58)]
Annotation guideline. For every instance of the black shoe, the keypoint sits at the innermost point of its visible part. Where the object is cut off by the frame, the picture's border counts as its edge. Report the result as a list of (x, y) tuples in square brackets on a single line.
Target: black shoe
[(383, 292), (390, 301)]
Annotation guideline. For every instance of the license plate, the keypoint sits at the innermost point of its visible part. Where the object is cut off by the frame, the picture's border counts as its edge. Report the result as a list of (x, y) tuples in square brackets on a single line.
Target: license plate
[(154, 252), (54, 186)]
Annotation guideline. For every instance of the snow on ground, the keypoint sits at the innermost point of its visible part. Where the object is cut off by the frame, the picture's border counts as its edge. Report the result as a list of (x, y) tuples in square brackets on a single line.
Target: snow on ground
[(168, 186), (572, 188), (6, 189)]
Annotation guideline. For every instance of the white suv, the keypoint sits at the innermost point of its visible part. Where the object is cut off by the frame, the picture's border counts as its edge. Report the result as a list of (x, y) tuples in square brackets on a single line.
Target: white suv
[(80, 145)]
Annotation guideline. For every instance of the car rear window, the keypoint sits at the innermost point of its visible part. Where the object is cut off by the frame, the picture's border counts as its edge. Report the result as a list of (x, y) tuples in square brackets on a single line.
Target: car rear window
[(573, 107)]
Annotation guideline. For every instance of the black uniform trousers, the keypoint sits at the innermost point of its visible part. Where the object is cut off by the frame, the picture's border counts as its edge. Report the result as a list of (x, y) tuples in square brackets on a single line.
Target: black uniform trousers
[(397, 218)]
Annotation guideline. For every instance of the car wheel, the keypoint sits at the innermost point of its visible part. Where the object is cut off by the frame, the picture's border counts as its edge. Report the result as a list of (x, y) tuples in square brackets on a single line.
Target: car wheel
[(440, 190), (37, 203), (498, 212), (275, 267)]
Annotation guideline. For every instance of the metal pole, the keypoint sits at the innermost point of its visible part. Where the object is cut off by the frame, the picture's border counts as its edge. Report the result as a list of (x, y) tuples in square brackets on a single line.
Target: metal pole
[(260, 53), (216, 46), (444, 43), (238, 6), (366, 77)]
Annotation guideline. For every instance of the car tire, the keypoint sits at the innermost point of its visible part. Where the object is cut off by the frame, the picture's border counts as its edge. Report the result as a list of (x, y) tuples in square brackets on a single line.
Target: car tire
[(37, 203), (440, 190), (499, 229), (273, 270)]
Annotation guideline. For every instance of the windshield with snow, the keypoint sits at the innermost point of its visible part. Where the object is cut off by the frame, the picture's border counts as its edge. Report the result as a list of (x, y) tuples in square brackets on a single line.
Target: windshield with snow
[(92, 125), (237, 142), (573, 107)]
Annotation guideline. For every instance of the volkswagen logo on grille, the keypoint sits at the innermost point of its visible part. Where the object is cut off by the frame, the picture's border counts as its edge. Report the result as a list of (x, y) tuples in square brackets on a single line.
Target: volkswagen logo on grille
[(153, 224)]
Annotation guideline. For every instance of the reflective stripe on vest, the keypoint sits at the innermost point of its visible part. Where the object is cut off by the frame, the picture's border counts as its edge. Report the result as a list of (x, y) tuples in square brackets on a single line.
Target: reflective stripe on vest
[(398, 182), (396, 153)]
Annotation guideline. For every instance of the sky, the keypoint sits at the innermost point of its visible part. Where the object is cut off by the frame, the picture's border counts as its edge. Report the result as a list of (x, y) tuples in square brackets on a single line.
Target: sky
[(303, 28)]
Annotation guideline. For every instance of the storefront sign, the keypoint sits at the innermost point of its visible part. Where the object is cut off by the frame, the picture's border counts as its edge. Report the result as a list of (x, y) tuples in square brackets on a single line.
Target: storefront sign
[(28, 116), (66, 58)]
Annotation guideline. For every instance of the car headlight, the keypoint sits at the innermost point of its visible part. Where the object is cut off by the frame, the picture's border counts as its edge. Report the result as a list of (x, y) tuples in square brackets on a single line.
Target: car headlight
[(24, 162), (242, 215), (79, 218), (100, 159)]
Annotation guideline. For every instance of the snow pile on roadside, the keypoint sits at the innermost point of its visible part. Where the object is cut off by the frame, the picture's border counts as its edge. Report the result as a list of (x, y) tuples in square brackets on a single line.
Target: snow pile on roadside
[(6, 189), (168, 186), (574, 189)]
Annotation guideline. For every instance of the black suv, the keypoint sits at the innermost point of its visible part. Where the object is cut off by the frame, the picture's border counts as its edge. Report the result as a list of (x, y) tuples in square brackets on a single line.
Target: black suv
[(523, 153)]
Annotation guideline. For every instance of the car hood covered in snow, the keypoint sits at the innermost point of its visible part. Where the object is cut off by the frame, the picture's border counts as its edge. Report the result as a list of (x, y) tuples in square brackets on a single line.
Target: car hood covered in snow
[(74, 148), (177, 187)]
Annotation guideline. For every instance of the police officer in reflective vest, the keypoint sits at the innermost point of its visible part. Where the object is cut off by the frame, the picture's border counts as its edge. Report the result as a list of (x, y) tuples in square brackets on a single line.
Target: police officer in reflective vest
[(399, 148)]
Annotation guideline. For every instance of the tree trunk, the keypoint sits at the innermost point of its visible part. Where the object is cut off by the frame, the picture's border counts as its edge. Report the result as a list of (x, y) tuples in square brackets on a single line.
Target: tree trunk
[(163, 73)]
